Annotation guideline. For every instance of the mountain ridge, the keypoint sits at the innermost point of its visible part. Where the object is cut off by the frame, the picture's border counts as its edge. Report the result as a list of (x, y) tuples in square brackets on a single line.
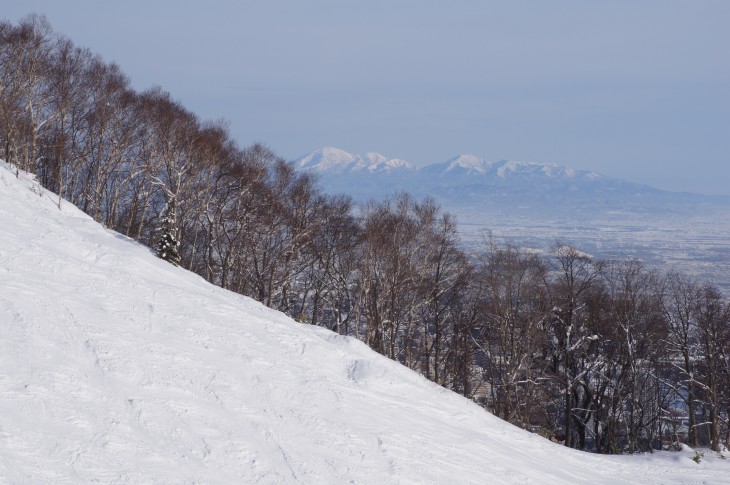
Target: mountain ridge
[(337, 160), (505, 183), (331, 159)]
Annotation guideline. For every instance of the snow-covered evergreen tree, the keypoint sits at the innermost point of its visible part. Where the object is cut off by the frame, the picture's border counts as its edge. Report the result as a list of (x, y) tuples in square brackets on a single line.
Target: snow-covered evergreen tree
[(167, 245)]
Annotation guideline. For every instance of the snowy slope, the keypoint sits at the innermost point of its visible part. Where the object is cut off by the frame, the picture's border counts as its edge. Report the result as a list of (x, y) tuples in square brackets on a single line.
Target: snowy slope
[(117, 367)]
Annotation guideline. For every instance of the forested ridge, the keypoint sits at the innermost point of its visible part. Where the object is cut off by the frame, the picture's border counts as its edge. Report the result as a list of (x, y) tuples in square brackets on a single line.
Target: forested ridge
[(607, 356)]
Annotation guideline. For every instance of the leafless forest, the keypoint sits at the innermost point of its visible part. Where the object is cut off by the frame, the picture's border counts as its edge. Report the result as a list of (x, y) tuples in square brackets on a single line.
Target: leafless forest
[(606, 356)]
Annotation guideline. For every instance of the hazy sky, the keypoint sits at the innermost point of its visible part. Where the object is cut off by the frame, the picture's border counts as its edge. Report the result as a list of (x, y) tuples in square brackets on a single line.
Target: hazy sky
[(638, 90)]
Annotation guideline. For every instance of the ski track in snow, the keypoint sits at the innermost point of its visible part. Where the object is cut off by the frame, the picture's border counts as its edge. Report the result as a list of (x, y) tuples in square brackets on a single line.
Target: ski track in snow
[(119, 368)]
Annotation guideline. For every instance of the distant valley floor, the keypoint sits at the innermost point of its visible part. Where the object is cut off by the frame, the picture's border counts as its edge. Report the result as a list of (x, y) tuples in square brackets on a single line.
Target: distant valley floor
[(694, 244)]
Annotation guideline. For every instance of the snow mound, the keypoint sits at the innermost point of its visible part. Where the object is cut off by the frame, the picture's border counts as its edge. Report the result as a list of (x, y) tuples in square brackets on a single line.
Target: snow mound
[(120, 368)]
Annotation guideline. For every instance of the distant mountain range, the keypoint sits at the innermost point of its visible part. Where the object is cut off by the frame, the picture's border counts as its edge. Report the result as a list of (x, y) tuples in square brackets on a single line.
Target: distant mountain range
[(466, 183)]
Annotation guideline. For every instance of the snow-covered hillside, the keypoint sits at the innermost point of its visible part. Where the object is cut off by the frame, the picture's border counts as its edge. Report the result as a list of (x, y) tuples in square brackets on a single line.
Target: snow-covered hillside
[(116, 367)]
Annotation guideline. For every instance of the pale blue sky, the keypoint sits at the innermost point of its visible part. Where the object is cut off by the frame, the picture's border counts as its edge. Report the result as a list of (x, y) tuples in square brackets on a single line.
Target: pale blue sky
[(638, 90)]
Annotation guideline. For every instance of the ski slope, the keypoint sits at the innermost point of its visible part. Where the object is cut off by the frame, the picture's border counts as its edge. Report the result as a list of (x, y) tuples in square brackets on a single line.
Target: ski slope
[(116, 367)]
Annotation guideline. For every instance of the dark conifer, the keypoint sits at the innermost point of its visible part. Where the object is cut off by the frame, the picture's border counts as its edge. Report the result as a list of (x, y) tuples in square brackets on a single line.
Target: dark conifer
[(167, 246)]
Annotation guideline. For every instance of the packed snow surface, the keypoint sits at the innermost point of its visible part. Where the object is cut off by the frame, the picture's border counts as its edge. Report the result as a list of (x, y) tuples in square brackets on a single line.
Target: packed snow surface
[(117, 367)]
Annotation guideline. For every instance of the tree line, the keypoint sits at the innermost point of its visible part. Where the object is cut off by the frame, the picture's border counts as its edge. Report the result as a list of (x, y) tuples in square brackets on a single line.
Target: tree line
[(607, 356)]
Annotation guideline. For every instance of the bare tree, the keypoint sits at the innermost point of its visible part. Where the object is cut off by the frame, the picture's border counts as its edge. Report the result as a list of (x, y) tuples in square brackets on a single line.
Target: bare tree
[(68, 86), (33, 42), (572, 277), (443, 278), (329, 280), (680, 305), (508, 332), (713, 325), (387, 277), (11, 91), (626, 389)]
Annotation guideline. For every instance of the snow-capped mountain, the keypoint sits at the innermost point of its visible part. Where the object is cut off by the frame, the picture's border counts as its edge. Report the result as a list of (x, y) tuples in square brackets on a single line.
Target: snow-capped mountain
[(463, 180), (331, 160), (119, 368), (371, 175), (526, 179), (473, 166), (334, 160), (467, 182)]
